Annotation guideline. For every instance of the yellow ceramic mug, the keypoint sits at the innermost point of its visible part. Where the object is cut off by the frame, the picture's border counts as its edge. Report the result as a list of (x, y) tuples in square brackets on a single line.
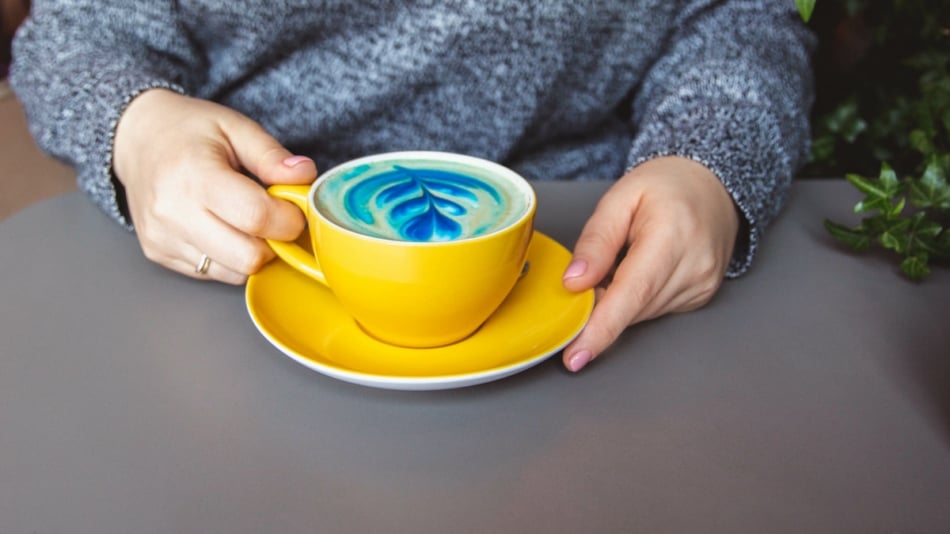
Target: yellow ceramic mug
[(419, 247)]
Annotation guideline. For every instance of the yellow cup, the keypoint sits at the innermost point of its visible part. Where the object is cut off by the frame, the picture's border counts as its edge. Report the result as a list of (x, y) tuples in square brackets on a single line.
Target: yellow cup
[(420, 248)]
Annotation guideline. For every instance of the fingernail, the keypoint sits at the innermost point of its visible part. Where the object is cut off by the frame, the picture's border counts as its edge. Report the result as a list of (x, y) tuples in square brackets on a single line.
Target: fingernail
[(580, 358), (293, 161), (575, 269)]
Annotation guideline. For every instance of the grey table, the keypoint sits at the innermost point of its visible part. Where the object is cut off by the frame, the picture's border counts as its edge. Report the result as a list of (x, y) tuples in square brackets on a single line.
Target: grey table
[(812, 395)]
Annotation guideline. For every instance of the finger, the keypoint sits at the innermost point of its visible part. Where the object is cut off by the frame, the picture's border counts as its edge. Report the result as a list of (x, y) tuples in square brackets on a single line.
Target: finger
[(263, 156), (214, 271), (228, 246), (633, 293), (601, 240), (247, 207), (187, 259)]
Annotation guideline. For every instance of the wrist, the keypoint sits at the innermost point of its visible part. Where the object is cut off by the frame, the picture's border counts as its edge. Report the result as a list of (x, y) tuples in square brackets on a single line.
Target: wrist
[(135, 127)]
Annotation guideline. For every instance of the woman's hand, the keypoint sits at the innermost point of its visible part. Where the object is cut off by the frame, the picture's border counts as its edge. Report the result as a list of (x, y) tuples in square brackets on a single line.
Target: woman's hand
[(678, 225), (180, 160)]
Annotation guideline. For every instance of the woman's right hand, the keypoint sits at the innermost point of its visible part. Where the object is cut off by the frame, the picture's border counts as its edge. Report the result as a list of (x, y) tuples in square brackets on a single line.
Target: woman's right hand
[(180, 160)]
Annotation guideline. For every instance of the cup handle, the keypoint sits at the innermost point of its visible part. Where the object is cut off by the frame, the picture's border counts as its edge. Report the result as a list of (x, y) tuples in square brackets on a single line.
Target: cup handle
[(292, 253)]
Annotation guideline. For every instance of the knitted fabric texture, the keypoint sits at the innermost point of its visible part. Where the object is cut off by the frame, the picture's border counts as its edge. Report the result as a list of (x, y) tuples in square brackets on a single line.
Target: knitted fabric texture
[(577, 90)]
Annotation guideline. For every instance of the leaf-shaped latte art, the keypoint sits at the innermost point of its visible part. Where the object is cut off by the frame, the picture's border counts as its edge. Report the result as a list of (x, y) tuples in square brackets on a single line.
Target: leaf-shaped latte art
[(421, 204)]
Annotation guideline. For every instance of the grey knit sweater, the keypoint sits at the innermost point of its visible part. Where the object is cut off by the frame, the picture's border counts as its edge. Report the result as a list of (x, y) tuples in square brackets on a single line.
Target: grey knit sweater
[(556, 89)]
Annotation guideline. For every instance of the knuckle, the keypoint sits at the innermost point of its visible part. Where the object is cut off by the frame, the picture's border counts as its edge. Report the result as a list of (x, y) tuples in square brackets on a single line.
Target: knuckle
[(254, 264), (164, 207), (592, 239), (149, 240), (152, 254), (690, 229), (611, 331), (601, 334), (256, 216), (269, 155), (706, 292), (707, 267), (642, 290), (251, 260)]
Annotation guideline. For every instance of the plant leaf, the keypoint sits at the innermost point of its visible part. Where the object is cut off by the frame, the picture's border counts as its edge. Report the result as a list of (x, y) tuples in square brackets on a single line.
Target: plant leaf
[(915, 267), (896, 209), (846, 121), (805, 8), (882, 205), (856, 238), (823, 147), (879, 193), (872, 188), (888, 179), (942, 244), (876, 225), (922, 235), (921, 141), (889, 240), (931, 190)]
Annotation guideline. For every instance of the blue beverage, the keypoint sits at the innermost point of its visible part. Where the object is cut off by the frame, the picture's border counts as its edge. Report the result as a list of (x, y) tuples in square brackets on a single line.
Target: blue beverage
[(422, 197)]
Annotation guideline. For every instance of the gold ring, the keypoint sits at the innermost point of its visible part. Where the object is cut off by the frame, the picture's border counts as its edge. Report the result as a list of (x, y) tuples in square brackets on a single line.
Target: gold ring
[(203, 264)]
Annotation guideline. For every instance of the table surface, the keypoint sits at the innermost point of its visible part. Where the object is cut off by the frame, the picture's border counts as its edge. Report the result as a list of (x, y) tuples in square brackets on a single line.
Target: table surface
[(812, 395)]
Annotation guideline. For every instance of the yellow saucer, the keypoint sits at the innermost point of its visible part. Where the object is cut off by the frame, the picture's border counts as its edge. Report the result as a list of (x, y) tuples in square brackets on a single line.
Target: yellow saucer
[(305, 321)]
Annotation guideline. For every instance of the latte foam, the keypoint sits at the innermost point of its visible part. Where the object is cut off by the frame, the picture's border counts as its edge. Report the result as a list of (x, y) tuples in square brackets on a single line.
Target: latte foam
[(421, 200)]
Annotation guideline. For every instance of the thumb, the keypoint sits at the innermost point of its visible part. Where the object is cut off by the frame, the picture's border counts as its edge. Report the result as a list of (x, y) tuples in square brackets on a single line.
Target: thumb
[(595, 253), (264, 157)]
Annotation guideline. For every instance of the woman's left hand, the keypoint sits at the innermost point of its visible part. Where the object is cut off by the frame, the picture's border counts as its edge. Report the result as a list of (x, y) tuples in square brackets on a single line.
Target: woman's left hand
[(672, 225)]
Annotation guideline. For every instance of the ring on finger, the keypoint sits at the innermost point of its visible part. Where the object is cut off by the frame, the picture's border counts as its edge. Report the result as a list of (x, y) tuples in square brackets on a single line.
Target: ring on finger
[(203, 264)]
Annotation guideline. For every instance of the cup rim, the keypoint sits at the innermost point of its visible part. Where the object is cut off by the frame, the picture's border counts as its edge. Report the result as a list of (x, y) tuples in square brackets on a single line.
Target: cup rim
[(520, 181)]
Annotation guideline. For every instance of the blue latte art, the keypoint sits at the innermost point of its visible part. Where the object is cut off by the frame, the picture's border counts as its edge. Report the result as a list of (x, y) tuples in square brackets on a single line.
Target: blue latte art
[(420, 201)]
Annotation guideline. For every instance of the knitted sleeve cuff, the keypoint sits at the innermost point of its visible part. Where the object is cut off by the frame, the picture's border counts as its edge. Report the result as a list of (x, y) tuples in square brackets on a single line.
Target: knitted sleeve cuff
[(95, 176)]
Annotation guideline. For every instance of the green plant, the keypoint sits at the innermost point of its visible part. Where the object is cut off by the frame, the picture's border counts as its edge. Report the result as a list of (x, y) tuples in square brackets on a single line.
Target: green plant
[(915, 234), (805, 8), (884, 104)]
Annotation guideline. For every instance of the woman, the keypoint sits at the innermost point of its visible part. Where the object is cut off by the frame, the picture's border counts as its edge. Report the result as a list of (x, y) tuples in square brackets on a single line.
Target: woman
[(698, 109)]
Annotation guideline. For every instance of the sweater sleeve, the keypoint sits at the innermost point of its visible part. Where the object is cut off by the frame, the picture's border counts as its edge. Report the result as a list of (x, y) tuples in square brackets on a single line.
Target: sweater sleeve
[(733, 93), (78, 63)]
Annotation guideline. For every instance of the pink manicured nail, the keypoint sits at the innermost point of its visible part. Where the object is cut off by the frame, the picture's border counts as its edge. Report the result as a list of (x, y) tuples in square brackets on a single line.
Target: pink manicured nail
[(575, 269), (577, 362), (293, 161)]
